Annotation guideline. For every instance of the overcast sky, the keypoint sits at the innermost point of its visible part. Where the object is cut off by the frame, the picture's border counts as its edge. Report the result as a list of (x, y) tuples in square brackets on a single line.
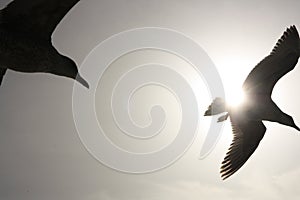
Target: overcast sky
[(42, 157)]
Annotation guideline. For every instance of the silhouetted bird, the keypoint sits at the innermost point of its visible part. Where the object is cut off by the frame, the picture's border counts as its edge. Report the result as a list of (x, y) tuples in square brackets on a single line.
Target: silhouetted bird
[(246, 120), (25, 38)]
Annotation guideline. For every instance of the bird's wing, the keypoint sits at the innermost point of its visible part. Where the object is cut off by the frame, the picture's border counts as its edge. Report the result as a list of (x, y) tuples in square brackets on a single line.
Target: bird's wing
[(2, 73), (282, 59), (38, 18), (246, 137)]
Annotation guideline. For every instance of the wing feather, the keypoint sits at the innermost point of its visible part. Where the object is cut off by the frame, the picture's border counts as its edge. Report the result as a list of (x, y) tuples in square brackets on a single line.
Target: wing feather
[(38, 18), (282, 59), (246, 137)]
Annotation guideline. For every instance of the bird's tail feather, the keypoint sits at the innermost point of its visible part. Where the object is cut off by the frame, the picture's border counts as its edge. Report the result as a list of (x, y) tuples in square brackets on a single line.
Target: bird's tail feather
[(216, 107), (223, 117)]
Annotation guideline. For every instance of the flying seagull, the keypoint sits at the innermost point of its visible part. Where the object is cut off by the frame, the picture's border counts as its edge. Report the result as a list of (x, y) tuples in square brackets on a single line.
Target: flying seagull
[(246, 120), (25, 38)]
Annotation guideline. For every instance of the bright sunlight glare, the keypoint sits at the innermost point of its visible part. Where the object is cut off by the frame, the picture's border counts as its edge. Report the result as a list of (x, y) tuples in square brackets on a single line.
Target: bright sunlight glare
[(234, 71), (235, 97)]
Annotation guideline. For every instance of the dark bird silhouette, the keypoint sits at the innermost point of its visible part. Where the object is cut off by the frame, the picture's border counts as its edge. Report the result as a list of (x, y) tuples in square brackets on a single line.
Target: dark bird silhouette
[(246, 120), (25, 38)]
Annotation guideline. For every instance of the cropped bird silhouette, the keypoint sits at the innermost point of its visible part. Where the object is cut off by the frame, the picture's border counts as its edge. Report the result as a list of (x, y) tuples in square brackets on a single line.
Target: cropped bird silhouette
[(246, 120), (25, 38)]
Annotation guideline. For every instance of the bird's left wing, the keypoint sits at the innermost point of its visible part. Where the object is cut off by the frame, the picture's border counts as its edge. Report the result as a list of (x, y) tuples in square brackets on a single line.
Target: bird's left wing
[(246, 138), (283, 58), (38, 18)]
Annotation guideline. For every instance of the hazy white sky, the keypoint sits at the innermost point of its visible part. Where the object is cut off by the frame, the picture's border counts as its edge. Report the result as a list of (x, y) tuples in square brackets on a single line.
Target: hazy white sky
[(42, 157)]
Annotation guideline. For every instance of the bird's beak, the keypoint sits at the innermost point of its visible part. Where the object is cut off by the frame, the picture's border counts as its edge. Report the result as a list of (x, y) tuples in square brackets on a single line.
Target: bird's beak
[(82, 81), (296, 127)]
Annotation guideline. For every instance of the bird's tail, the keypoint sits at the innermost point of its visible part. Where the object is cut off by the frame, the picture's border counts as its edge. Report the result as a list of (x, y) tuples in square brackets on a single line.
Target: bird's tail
[(218, 106)]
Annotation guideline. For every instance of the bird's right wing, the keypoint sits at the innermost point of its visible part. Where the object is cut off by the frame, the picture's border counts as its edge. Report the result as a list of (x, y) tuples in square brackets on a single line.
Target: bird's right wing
[(38, 18), (282, 59), (246, 137)]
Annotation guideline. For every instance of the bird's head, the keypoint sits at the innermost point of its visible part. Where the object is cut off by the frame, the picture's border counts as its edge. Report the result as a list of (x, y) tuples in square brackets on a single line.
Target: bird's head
[(289, 121), (68, 68)]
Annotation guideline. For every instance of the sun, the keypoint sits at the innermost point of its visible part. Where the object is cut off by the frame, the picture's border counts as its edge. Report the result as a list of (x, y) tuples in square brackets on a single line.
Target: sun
[(234, 73), (235, 97)]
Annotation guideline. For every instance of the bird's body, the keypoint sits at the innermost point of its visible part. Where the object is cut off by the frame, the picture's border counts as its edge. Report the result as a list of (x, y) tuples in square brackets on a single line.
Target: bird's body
[(246, 119), (258, 108), (29, 54), (25, 38)]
